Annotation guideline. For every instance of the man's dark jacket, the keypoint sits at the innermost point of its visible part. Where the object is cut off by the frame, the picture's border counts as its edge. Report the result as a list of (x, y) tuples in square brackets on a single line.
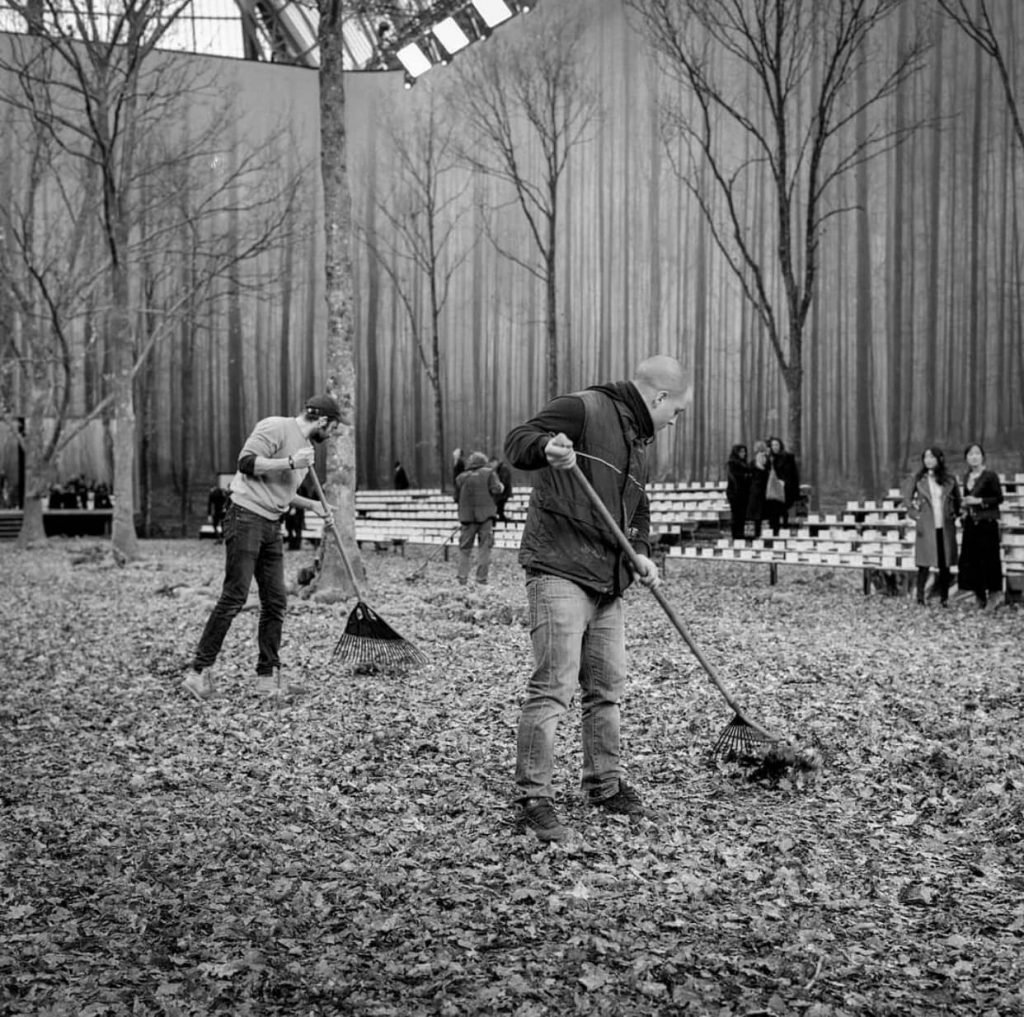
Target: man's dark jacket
[(611, 427)]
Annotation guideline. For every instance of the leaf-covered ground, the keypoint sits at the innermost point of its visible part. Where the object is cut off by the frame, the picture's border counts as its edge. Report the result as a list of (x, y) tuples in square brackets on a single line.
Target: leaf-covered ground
[(355, 852)]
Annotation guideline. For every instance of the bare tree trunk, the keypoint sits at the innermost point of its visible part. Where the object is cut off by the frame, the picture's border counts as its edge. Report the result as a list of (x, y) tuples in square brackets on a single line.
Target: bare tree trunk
[(341, 373), (39, 472), (551, 313), (974, 259), (124, 538), (864, 386)]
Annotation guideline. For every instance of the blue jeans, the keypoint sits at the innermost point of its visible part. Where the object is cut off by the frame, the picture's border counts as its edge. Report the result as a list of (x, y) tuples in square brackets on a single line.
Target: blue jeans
[(252, 547), (578, 637), (483, 533)]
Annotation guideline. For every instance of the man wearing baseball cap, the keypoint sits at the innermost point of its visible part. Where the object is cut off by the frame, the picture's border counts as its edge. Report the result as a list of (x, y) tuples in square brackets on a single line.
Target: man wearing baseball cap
[(271, 466)]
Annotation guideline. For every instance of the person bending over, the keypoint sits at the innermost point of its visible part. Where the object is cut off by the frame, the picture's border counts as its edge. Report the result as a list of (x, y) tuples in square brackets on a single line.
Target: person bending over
[(272, 464), (576, 574)]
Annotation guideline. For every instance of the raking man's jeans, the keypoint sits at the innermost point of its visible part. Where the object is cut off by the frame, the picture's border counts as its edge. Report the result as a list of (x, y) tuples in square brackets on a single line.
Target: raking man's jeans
[(577, 638), (252, 548), (470, 532)]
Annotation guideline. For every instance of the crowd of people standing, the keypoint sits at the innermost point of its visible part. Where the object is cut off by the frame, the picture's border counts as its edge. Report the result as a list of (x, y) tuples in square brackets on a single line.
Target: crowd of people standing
[(79, 493), (764, 489), (761, 489), (936, 501)]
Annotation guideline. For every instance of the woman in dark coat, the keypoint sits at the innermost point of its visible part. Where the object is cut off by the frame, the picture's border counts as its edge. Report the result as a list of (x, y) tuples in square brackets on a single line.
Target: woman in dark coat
[(758, 486), (933, 502), (737, 489), (980, 568), (784, 465)]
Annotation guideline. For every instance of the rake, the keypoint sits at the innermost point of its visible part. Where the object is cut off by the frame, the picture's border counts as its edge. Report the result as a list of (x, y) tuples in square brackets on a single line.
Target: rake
[(367, 638), (413, 576), (741, 735)]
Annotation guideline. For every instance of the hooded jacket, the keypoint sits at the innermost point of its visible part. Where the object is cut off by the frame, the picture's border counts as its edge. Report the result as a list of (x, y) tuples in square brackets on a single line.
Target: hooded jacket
[(477, 488), (611, 427)]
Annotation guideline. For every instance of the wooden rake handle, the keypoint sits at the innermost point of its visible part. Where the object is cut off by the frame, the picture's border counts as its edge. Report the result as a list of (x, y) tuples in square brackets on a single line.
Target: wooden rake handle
[(329, 524), (673, 616)]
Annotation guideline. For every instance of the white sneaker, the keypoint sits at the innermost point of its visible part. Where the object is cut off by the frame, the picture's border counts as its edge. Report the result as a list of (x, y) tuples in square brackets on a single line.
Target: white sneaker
[(269, 684), (275, 685), (200, 685)]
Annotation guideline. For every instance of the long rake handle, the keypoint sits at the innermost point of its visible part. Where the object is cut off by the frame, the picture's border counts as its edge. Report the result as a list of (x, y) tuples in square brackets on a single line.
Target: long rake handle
[(437, 554), (329, 522), (673, 616)]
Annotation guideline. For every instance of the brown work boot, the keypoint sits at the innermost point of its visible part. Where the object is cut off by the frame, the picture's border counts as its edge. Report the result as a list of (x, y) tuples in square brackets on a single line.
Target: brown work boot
[(625, 802), (538, 815)]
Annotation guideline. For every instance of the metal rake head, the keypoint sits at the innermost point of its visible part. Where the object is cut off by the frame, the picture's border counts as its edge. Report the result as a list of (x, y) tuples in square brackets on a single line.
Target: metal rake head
[(740, 738)]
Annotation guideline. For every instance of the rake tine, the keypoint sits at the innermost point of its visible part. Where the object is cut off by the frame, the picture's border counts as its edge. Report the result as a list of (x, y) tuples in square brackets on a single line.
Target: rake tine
[(367, 638), (741, 738)]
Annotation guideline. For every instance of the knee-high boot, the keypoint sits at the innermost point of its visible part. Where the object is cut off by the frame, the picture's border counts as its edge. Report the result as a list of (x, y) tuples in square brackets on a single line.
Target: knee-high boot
[(922, 582)]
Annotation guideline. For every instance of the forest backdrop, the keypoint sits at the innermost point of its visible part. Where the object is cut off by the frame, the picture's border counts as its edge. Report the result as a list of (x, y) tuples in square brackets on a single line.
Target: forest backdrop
[(913, 334)]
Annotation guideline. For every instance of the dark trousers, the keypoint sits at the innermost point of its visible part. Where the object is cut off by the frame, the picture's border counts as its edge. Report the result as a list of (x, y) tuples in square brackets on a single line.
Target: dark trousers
[(944, 573), (252, 549), (738, 522), (775, 515)]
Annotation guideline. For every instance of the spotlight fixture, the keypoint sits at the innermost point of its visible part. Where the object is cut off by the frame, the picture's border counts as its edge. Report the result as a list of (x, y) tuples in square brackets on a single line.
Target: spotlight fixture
[(413, 59), (451, 35), (494, 12)]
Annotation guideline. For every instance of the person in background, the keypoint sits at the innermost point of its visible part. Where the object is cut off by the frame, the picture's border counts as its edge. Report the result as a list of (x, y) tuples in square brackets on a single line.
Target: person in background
[(737, 490), (504, 474), (101, 499), (932, 498), (216, 506), (295, 518), (271, 465), (981, 568), (758, 487), (401, 477), (776, 512), (476, 490), (576, 574), (458, 464)]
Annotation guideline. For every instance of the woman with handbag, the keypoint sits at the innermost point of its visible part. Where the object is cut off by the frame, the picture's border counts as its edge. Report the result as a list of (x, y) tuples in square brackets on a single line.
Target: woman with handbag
[(980, 568), (932, 498), (783, 485)]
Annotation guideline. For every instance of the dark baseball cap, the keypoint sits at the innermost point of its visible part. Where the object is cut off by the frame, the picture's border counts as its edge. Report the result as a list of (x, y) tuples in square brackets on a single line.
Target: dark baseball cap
[(324, 406)]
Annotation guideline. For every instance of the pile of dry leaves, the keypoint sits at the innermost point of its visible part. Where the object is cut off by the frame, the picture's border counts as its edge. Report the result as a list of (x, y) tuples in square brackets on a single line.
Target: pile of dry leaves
[(354, 851)]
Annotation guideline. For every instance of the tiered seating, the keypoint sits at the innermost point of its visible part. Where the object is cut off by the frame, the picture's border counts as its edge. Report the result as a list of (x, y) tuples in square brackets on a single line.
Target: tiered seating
[(866, 535), (678, 512), (687, 519), (425, 517), (687, 511)]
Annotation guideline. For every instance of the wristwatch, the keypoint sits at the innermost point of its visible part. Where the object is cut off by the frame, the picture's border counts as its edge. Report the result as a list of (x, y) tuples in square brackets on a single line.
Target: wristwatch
[(291, 464)]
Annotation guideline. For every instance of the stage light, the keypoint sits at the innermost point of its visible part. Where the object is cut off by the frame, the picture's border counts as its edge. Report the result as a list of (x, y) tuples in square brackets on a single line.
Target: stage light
[(450, 35), (414, 60), (494, 12)]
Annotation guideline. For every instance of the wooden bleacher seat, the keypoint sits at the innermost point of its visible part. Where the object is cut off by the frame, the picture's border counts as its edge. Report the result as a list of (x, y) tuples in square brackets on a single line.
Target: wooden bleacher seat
[(874, 536), (688, 520)]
